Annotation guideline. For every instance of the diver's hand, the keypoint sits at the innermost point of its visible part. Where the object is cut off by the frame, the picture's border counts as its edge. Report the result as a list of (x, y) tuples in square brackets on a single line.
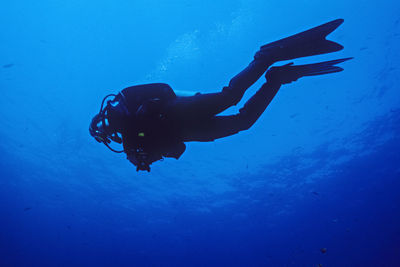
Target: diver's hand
[(282, 74)]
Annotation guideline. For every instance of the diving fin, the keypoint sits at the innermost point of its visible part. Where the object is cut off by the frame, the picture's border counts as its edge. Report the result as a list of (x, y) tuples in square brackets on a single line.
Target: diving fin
[(308, 43), (289, 72)]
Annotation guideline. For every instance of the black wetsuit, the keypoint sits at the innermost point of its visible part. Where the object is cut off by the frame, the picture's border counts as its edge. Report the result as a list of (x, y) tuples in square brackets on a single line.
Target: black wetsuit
[(174, 119)]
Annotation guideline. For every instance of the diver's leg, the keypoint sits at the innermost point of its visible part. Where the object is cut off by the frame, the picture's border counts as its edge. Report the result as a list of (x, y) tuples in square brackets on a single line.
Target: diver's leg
[(207, 105), (221, 126)]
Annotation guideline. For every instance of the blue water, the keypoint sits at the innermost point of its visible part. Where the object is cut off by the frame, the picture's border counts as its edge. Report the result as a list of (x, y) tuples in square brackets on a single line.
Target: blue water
[(319, 170)]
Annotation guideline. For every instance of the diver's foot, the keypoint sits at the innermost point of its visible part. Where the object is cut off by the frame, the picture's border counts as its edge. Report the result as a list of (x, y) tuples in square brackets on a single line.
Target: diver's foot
[(289, 73), (266, 58)]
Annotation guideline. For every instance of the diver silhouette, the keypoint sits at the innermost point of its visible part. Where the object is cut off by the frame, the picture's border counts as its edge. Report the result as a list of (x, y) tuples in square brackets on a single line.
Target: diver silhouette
[(152, 122)]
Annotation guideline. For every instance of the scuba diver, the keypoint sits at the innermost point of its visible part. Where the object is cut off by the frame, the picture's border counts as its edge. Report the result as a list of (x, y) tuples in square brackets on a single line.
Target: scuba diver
[(152, 122)]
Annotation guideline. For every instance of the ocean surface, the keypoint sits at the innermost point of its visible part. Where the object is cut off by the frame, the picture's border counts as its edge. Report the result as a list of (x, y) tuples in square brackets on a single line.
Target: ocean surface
[(315, 182)]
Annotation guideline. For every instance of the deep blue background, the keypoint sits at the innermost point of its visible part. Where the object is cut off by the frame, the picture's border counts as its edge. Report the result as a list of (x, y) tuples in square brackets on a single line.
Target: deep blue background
[(320, 169)]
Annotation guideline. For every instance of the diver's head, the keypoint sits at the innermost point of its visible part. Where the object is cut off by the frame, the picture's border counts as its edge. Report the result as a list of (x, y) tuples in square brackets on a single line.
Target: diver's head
[(100, 127), (96, 129)]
